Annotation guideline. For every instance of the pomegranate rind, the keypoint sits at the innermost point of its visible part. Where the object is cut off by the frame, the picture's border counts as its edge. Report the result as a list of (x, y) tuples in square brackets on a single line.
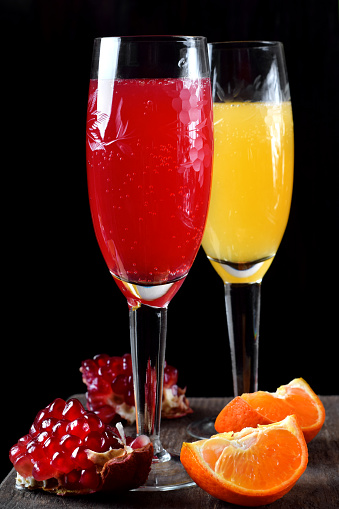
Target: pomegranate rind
[(125, 470), (129, 471)]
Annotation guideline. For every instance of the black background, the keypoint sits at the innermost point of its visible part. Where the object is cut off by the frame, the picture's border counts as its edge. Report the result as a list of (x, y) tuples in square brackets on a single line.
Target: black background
[(60, 305)]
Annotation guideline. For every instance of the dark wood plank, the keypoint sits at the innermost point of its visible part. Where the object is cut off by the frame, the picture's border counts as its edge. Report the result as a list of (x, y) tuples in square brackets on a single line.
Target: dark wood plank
[(318, 488)]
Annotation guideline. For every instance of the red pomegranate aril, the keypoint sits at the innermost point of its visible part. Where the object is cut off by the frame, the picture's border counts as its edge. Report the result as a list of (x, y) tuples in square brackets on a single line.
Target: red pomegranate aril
[(62, 462), (89, 478), (73, 410), (47, 424), (101, 359), (106, 413), (111, 441), (123, 385), (41, 437), (71, 480), (89, 367), (35, 451), (40, 417), (33, 430), (15, 452), (139, 442), (105, 373), (43, 470), (80, 458), (94, 422), (96, 442), (59, 429), (51, 446), (170, 376), (56, 408), (23, 441), (115, 366), (69, 442), (79, 427), (23, 465)]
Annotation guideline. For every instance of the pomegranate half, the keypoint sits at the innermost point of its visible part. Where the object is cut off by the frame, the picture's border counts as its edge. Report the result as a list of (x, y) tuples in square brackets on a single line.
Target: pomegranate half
[(110, 394), (70, 450)]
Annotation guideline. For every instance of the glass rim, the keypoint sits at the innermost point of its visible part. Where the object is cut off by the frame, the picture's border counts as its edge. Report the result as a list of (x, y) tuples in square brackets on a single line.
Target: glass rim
[(254, 44), (154, 38)]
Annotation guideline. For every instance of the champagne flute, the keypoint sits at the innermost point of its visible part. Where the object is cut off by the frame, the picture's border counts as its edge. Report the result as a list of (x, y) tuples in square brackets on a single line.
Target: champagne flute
[(149, 157), (251, 190)]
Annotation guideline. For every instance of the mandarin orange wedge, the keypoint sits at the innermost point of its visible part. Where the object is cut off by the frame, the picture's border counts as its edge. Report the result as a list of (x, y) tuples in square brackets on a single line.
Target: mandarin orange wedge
[(253, 467), (262, 407)]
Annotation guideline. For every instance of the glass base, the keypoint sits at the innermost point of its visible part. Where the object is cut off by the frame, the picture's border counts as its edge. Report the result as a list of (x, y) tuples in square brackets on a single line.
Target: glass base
[(202, 429), (167, 474)]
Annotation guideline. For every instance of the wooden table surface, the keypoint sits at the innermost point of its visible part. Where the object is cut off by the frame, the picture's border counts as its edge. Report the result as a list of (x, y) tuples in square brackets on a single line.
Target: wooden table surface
[(318, 487)]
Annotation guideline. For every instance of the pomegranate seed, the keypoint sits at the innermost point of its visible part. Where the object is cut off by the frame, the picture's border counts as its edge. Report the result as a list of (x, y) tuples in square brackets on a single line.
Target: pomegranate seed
[(23, 441), (62, 462), (170, 376), (101, 359), (111, 440), (94, 422), (43, 470), (15, 452), (79, 427), (35, 451), (89, 478), (106, 413), (119, 385), (42, 437), (47, 424), (56, 408), (33, 431), (23, 465), (69, 442), (72, 479), (40, 417), (96, 442), (140, 441), (73, 410), (59, 429), (51, 446), (115, 366), (80, 458)]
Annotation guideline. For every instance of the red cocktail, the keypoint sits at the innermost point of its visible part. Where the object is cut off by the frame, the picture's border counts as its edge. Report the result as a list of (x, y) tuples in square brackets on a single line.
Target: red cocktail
[(149, 154)]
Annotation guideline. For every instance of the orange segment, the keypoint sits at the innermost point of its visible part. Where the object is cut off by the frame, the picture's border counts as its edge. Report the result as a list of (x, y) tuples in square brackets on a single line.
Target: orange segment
[(253, 467), (297, 398), (239, 414)]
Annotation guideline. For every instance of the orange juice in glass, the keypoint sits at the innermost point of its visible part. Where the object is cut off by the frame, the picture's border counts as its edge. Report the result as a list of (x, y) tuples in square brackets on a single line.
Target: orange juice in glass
[(251, 188)]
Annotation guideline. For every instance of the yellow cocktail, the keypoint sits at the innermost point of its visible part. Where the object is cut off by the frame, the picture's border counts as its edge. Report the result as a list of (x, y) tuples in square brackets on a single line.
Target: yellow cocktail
[(251, 189)]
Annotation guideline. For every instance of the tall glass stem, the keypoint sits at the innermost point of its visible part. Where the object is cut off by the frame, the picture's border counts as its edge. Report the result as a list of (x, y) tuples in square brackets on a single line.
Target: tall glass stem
[(243, 319), (148, 327)]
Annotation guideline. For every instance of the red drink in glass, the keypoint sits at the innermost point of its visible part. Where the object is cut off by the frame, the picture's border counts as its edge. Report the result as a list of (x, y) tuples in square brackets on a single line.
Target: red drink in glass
[(149, 158)]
